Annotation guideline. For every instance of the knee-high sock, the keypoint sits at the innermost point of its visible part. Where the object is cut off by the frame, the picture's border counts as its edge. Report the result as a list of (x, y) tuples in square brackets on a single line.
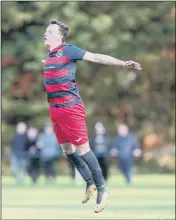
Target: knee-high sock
[(81, 166), (95, 169)]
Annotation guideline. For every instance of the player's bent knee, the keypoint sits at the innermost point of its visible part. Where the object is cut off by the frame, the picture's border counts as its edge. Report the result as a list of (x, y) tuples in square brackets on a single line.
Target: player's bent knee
[(68, 148), (83, 149)]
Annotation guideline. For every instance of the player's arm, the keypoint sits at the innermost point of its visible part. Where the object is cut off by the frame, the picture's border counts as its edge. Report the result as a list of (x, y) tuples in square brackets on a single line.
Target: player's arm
[(108, 60), (136, 146), (115, 148)]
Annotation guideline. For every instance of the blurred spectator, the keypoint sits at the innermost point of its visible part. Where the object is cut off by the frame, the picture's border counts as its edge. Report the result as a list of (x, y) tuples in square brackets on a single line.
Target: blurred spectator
[(33, 154), (125, 148), (151, 141), (100, 146), (72, 169), (4, 155), (19, 155), (50, 151)]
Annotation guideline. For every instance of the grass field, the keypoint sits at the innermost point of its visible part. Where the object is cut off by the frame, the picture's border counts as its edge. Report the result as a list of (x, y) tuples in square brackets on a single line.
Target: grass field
[(149, 197)]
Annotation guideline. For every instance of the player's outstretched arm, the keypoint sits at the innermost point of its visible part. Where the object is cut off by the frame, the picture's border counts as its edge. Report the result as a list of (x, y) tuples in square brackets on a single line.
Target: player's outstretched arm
[(108, 60)]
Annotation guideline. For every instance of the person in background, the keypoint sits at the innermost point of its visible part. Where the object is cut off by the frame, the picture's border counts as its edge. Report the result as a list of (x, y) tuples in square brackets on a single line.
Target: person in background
[(126, 146), (18, 152), (72, 171), (100, 146), (50, 151), (33, 154)]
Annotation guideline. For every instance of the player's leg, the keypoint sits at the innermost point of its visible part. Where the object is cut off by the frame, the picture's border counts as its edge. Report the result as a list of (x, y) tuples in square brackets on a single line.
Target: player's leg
[(129, 169), (72, 169), (51, 168), (23, 168), (92, 162), (15, 168), (122, 167), (73, 129), (46, 170), (101, 163), (104, 166), (71, 152), (78, 162)]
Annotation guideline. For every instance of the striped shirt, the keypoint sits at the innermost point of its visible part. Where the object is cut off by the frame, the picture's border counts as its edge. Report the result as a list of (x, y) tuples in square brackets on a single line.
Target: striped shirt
[(59, 75)]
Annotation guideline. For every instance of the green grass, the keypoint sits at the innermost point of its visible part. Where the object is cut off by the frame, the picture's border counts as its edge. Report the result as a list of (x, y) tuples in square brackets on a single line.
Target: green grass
[(149, 197)]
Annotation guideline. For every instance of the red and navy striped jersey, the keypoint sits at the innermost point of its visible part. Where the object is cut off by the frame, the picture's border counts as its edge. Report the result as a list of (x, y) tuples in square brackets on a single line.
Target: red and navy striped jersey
[(59, 75)]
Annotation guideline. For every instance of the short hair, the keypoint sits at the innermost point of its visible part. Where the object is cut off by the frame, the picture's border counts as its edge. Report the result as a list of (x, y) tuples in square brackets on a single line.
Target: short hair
[(62, 27)]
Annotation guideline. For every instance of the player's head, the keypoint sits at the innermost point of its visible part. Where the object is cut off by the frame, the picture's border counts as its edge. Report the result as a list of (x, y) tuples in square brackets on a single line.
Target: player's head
[(32, 133), (21, 128), (56, 32), (99, 128), (48, 129), (123, 130)]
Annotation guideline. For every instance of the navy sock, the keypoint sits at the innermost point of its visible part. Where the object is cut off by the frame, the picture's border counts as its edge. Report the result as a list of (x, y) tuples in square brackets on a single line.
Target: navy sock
[(95, 169), (81, 166)]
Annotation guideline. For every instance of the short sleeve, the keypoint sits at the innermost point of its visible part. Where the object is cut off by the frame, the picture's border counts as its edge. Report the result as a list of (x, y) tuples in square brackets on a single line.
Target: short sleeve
[(74, 53)]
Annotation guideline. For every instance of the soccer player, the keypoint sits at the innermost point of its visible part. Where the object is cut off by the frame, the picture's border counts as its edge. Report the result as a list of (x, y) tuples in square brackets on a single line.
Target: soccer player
[(66, 107)]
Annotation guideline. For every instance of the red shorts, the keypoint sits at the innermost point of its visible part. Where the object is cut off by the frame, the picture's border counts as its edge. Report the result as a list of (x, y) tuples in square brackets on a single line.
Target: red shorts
[(69, 124)]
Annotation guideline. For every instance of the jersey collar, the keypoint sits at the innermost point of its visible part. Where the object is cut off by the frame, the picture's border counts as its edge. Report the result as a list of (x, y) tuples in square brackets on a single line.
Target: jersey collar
[(60, 47)]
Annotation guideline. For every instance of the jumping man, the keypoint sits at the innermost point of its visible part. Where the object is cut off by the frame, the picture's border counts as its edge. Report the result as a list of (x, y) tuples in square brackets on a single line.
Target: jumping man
[(66, 107)]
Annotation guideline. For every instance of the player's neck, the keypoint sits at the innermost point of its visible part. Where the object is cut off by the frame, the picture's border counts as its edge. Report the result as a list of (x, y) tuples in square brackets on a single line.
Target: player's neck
[(55, 44)]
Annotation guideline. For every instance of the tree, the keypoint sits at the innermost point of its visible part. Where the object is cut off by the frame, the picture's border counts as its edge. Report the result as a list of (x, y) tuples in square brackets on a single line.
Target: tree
[(143, 31)]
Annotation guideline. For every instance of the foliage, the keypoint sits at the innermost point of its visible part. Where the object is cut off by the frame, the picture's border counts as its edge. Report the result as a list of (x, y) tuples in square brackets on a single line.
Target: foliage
[(142, 31)]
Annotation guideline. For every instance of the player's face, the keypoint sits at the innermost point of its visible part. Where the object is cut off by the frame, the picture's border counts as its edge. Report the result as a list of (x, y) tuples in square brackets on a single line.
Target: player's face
[(52, 34), (21, 128), (123, 130), (49, 130)]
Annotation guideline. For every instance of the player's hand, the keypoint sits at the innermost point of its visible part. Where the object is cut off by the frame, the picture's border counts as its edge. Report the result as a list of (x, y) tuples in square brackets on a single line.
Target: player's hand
[(39, 145), (114, 152), (137, 153), (132, 64), (32, 149)]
